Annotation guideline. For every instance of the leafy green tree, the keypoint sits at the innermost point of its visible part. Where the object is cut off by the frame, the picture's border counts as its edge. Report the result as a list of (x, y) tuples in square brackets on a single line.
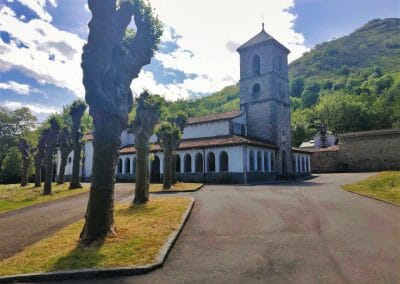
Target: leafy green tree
[(26, 145), (147, 116), (39, 155), (51, 140), (168, 136), (11, 166), (111, 59), (383, 83), (76, 112), (296, 87)]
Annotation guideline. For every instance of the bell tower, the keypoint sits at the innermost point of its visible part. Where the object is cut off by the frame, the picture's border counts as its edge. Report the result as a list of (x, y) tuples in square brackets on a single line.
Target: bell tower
[(264, 95)]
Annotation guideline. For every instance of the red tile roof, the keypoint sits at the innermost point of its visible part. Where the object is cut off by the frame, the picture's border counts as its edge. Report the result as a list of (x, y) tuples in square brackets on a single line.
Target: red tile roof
[(209, 142), (213, 117)]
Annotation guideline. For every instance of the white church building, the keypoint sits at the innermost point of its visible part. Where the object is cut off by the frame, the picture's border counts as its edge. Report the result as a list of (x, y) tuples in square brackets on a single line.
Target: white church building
[(251, 144)]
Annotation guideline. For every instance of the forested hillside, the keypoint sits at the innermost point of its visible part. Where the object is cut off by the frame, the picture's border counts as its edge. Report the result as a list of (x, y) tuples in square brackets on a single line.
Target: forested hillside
[(350, 84)]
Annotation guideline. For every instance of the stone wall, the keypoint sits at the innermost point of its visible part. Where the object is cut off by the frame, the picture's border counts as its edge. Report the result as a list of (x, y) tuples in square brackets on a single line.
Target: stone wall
[(376, 150)]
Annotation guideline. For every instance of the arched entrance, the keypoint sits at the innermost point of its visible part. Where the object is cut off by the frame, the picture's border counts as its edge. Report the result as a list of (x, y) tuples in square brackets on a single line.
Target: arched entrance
[(284, 164), (155, 170)]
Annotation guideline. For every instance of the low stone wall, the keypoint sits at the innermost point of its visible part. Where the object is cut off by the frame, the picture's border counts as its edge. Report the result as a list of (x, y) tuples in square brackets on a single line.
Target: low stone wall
[(377, 150)]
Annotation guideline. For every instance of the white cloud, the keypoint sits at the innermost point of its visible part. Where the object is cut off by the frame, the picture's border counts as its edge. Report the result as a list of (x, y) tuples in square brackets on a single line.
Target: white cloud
[(35, 108), (212, 30), (21, 89), (39, 7), (32, 46)]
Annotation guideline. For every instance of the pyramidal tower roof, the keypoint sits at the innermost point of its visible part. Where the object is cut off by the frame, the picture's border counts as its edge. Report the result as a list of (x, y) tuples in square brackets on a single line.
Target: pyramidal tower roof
[(259, 38)]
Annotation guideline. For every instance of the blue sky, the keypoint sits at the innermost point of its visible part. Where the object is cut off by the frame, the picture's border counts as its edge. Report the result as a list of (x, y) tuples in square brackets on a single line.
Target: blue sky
[(41, 42)]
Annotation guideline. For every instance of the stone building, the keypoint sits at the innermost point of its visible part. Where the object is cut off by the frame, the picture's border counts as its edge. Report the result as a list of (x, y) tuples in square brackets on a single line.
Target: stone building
[(251, 144)]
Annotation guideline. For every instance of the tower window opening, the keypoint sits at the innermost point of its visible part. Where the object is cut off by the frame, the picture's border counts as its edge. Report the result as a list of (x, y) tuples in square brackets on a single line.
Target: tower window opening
[(256, 65), (256, 89)]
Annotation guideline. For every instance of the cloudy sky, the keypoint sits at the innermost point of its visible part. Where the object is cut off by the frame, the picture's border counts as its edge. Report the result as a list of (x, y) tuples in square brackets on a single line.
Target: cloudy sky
[(41, 43)]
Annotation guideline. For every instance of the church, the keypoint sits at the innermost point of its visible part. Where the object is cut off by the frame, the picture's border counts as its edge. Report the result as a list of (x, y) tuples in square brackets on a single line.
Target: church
[(248, 145)]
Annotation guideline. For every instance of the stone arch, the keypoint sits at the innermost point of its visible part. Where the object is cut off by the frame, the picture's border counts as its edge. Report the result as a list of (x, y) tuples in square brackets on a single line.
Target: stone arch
[(127, 165), (155, 169), (298, 164), (223, 162), (210, 162), (178, 163), (256, 65), (256, 89), (198, 161), (284, 164), (119, 167), (266, 162), (251, 161), (272, 157), (259, 161), (134, 165), (187, 163)]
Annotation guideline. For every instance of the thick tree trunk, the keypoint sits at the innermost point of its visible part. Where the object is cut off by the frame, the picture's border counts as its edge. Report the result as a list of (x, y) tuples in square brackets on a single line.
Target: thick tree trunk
[(48, 176), (167, 176), (100, 210), (63, 163), (76, 163), (24, 173), (38, 169), (173, 169), (142, 171)]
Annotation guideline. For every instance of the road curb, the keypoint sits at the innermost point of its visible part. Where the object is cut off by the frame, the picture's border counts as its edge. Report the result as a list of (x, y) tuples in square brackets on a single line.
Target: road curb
[(108, 272), (174, 192), (371, 197)]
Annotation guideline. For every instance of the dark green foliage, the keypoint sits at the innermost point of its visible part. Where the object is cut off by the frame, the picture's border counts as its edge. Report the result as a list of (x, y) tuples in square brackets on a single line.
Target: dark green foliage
[(11, 166), (296, 87), (51, 139)]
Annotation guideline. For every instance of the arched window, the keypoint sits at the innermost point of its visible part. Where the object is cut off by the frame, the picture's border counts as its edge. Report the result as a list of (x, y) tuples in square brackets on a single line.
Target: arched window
[(303, 162), (272, 162), (259, 161), (256, 65), (307, 170), (119, 170), (251, 161), (266, 164), (210, 162), (256, 89), (223, 162), (127, 166), (298, 163), (280, 63), (199, 163), (188, 163), (177, 163), (134, 165)]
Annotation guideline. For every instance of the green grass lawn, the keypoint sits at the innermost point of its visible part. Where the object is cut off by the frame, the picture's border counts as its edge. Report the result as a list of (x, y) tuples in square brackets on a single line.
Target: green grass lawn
[(385, 186), (180, 186), (141, 231), (13, 196)]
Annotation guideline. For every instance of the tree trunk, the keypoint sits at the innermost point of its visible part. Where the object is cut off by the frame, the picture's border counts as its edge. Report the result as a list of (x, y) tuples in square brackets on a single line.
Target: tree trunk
[(48, 176), (63, 163), (76, 163), (167, 178), (38, 169), (100, 210), (24, 173), (142, 171), (173, 169)]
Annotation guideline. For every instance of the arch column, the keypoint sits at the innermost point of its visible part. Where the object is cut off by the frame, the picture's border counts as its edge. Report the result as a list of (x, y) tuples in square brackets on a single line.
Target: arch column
[(269, 162), (309, 164)]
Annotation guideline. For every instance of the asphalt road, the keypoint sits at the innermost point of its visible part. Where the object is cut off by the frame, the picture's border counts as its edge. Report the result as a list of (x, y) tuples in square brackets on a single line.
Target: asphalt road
[(28, 225), (305, 232)]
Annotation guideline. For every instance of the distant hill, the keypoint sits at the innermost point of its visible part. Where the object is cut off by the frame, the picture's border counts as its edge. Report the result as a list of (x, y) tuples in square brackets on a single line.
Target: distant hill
[(377, 43)]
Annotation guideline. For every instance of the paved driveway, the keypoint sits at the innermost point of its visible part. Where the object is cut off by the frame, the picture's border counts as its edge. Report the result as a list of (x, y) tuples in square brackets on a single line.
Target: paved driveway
[(28, 225), (308, 232)]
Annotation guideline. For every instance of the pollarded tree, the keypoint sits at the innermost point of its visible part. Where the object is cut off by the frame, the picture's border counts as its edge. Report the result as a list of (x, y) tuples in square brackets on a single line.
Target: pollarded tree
[(39, 156), (180, 120), (66, 146), (51, 144), (168, 136), (26, 149), (76, 112), (147, 116), (111, 59)]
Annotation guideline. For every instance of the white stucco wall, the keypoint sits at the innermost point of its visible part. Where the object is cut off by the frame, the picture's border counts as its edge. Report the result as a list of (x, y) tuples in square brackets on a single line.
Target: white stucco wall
[(211, 129), (88, 158)]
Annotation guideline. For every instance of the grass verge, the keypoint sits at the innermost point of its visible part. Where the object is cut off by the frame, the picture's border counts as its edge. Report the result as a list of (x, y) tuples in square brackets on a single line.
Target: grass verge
[(178, 187), (385, 186), (142, 231), (13, 196)]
